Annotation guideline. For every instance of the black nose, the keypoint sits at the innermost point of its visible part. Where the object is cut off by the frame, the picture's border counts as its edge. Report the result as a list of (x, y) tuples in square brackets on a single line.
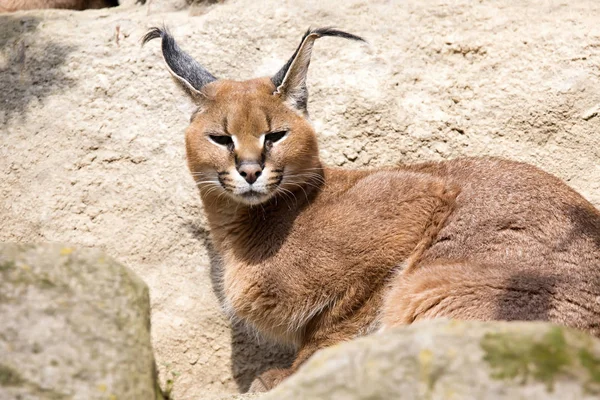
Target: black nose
[(250, 171)]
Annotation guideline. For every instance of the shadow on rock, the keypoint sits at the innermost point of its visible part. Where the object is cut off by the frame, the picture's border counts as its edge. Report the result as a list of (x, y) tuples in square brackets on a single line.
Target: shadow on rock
[(29, 65), (250, 354)]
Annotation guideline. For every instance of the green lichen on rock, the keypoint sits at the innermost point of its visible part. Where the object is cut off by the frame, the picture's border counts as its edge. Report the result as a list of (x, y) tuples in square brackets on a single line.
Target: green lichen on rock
[(441, 360), (76, 316), (428, 372), (7, 265), (514, 356), (592, 364), (9, 377), (544, 358)]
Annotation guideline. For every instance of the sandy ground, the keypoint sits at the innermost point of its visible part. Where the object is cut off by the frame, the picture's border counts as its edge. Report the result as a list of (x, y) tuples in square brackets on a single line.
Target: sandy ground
[(91, 139)]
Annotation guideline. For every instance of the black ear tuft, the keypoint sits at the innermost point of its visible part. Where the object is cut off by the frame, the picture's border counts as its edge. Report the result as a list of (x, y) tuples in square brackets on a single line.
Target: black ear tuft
[(277, 79), (153, 33), (188, 71), (291, 78)]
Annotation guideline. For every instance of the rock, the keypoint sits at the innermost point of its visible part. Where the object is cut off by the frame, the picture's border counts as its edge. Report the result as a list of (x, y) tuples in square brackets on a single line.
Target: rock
[(101, 162), (245, 396), (75, 324), (591, 112), (157, 6), (444, 360)]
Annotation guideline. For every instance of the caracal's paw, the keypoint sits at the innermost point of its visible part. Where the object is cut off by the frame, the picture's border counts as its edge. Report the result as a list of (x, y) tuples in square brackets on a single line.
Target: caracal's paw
[(268, 380)]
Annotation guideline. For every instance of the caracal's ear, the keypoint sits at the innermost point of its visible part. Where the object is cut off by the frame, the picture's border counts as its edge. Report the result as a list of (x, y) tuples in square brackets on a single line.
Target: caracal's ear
[(290, 81), (187, 72)]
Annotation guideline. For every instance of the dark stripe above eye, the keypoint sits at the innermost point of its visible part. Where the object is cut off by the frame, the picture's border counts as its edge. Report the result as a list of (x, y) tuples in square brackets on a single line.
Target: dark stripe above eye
[(221, 139), (225, 125), (274, 136), (268, 118)]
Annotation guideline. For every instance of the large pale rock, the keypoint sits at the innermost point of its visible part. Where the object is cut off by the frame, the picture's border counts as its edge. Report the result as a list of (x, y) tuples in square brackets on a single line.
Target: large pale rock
[(91, 127), (453, 360), (74, 325)]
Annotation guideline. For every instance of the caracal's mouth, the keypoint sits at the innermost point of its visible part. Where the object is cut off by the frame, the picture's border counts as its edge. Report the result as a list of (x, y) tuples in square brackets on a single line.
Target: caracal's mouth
[(257, 192), (252, 193), (253, 197)]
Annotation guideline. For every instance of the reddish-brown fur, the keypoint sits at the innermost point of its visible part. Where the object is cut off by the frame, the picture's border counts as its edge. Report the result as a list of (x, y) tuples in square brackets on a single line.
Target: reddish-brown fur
[(331, 254), (320, 267)]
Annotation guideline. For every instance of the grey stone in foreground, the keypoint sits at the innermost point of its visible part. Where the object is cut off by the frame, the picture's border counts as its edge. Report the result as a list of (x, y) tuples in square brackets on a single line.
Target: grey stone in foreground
[(244, 396), (454, 360), (74, 325)]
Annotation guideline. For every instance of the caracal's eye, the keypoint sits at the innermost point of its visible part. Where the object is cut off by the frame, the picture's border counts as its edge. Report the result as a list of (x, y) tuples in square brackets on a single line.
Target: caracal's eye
[(222, 140), (275, 136)]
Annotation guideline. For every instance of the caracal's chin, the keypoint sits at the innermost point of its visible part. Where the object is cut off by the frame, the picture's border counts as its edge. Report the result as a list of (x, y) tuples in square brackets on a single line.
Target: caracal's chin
[(252, 197)]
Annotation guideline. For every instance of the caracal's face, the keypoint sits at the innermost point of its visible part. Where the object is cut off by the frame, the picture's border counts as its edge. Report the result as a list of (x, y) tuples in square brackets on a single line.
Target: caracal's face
[(247, 144)]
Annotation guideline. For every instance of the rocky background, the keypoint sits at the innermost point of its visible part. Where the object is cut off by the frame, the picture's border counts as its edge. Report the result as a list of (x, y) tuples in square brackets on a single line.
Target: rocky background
[(91, 127)]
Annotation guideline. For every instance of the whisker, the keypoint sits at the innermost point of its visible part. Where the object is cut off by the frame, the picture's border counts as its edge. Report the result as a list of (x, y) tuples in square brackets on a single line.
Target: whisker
[(287, 195), (309, 180), (200, 173), (300, 186), (306, 183), (308, 175), (212, 189)]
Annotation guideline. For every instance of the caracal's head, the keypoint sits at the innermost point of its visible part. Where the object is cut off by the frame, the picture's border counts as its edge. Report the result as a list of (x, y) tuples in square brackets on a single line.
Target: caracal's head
[(249, 140)]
